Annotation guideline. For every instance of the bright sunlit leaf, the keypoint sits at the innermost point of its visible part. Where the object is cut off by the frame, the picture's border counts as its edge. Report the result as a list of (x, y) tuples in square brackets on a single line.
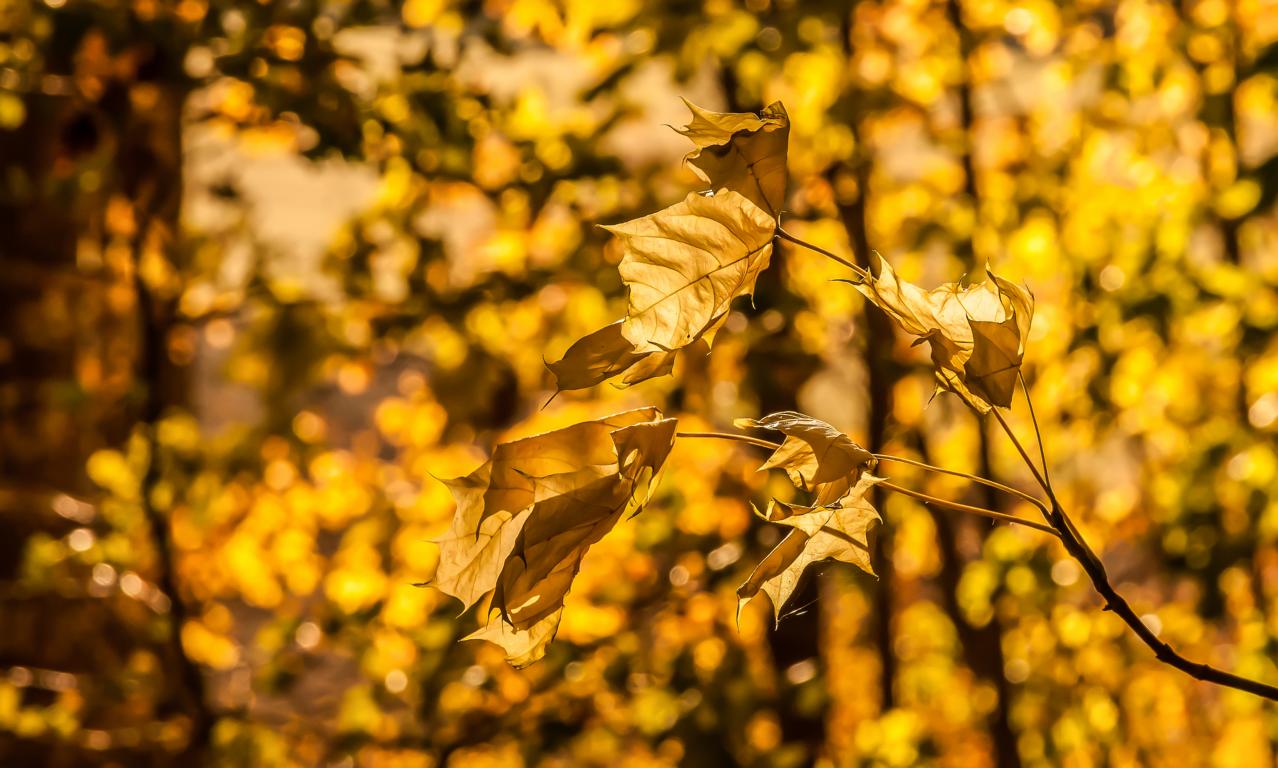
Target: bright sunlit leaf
[(526, 518)]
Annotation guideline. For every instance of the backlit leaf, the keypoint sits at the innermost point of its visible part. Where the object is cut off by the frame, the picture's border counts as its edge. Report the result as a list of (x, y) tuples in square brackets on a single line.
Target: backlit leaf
[(839, 531), (477, 542), (684, 265), (555, 538), (816, 456), (995, 360), (742, 152), (599, 356), (977, 332), (526, 518), (522, 646)]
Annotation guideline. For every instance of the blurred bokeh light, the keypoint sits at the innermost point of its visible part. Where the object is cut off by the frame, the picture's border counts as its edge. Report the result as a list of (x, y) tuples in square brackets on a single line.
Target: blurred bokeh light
[(270, 269)]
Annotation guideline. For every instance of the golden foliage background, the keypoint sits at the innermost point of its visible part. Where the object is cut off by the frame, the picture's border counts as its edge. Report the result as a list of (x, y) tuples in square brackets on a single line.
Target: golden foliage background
[(268, 267)]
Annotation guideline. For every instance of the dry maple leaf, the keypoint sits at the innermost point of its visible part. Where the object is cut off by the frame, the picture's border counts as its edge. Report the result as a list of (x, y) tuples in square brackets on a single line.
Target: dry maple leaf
[(522, 646), (977, 332), (995, 361), (606, 353), (527, 516), (494, 501), (841, 531), (816, 456), (551, 544), (742, 151), (599, 356), (684, 265)]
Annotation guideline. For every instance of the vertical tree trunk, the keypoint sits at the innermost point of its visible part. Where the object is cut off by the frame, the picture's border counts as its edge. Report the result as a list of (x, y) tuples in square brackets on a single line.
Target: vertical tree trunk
[(982, 646), (125, 133), (151, 177), (882, 375), (779, 372)]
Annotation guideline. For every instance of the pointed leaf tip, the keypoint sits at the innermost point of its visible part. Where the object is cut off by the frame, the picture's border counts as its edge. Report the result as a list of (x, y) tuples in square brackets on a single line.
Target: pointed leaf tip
[(742, 151)]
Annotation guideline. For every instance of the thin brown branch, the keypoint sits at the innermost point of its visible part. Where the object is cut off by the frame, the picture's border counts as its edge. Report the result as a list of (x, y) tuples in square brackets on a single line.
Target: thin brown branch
[(1038, 434), (1038, 476), (1115, 602), (1077, 547), (958, 507), (729, 436), (966, 476)]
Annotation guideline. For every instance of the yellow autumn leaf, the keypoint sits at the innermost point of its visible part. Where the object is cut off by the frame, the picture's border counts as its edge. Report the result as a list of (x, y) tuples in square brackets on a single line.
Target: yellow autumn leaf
[(816, 456), (556, 537), (533, 582), (495, 500), (606, 353), (684, 265), (599, 356), (839, 531), (478, 542), (742, 152), (977, 332), (526, 518), (522, 646), (995, 360)]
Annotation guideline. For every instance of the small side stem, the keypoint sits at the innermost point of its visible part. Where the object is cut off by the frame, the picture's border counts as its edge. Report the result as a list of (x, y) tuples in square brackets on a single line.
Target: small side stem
[(730, 436), (956, 506), (1038, 434), (973, 478), (1056, 515), (1033, 468), (781, 233)]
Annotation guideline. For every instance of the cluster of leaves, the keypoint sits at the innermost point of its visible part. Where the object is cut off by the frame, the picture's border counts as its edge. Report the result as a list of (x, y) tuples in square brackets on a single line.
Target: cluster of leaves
[(685, 265), (525, 519), (825, 462)]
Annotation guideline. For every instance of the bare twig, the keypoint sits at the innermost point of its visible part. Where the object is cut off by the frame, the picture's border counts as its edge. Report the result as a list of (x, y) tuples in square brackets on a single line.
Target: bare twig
[(926, 498), (1038, 434), (966, 476), (1038, 476), (956, 506), (781, 233), (729, 436), (1077, 548)]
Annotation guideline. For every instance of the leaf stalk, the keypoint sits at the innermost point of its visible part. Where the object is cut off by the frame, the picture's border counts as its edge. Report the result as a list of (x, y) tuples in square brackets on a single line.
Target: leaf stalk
[(966, 476), (729, 436), (956, 506), (860, 271), (926, 498)]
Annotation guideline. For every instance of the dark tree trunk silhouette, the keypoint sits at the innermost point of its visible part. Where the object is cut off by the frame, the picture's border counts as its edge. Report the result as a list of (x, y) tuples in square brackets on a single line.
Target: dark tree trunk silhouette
[(982, 646)]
